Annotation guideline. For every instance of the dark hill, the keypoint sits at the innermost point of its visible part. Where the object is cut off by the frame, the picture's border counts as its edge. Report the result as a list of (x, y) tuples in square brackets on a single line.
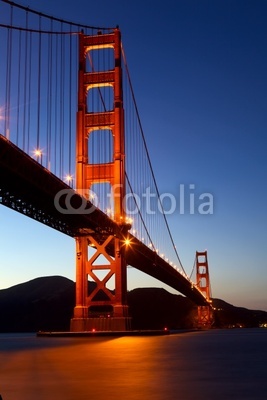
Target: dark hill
[(42, 303), (154, 308), (47, 304), (227, 315)]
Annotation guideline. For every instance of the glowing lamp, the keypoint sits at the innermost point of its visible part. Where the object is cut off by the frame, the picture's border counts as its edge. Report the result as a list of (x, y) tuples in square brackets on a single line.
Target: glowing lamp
[(127, 242)]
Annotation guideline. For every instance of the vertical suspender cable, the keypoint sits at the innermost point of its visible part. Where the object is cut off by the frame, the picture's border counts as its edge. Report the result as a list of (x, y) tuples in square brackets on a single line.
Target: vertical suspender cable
[(8, 76), (63, 71), (45, 91), (18, 90), (29, 95), (25, 85), (56, 135), (39, 87), (61, 104), (49, 99), (70, 113), (150, 165)]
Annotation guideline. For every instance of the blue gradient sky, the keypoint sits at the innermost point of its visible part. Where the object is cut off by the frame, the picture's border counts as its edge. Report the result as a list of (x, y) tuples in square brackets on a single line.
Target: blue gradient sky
[(198, 69)]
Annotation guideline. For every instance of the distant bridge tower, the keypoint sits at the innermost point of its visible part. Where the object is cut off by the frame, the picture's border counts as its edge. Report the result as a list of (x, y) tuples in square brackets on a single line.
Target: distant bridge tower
[(100, 308), (205, 316)]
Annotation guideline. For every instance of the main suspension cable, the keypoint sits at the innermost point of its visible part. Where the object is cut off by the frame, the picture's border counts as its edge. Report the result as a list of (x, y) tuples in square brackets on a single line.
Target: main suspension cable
[(149, 160), (12, 3)]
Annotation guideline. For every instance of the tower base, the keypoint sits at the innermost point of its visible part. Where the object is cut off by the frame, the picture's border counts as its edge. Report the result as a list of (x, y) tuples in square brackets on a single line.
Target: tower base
[(100, 324), (205, 317)]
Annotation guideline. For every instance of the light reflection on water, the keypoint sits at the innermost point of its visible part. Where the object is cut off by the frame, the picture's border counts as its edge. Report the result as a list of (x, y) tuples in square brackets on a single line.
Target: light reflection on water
[(208, 365)]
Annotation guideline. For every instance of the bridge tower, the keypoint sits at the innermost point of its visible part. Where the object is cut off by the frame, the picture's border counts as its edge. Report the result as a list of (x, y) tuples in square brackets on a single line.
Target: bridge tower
[(100, 308), (203, 282)]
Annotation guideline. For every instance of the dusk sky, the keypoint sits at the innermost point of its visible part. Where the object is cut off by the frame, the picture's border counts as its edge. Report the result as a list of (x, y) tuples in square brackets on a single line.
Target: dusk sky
[(199, 73)]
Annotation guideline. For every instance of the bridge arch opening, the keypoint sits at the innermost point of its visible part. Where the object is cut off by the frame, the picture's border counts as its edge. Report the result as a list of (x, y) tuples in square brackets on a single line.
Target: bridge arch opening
[(100, 99), (100, 59), (102, 197), (201, 258), (202, 270), (203, 283), (100, 146)]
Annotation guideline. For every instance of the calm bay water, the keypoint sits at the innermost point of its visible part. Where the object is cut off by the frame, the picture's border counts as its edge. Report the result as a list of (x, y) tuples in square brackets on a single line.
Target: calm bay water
[(210, 365)]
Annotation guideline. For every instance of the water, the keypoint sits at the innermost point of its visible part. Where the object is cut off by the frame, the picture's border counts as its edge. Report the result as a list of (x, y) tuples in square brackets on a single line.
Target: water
[(219, 364)]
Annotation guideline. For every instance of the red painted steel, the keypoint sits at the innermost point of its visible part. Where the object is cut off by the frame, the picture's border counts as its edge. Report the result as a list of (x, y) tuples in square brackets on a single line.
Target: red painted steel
[(101, 304), (203, 283)]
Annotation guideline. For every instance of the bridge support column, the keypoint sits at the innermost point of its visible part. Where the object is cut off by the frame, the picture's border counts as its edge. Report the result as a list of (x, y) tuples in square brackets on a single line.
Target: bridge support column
[(81, 310)]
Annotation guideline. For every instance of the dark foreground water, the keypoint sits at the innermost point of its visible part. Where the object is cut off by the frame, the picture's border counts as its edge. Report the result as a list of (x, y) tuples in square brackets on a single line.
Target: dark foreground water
[(210, 365)]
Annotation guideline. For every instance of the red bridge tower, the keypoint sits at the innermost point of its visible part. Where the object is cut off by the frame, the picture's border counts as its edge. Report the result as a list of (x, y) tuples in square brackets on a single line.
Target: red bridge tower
[(101, 309), (203, 282)]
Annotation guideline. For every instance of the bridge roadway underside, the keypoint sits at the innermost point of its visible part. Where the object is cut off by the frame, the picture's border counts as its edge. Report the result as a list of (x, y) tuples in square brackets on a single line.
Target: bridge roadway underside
[(29, 188)]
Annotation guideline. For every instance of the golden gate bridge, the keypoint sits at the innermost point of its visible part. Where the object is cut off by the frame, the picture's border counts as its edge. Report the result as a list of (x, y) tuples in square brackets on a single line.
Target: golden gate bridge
[(73, 156)]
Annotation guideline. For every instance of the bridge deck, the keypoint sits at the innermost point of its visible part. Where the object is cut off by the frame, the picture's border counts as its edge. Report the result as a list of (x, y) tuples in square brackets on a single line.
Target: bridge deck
[(29, 188)]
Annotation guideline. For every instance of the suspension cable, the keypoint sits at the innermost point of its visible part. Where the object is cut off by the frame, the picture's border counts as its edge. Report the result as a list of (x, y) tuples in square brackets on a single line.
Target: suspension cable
[(29, 93), (42, 31), (25, 86), (49, 101), (194, 265), (62, 108), (140, 214), (39, 89), (149, 160), (8, 76), (18, 91), (12, 3), (70, 113)]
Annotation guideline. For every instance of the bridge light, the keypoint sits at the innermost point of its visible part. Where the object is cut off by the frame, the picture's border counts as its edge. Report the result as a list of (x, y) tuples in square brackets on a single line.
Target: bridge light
[(128, 223), (127, 242), (39, 154), (109, 212), (68, 178), (129, 220)]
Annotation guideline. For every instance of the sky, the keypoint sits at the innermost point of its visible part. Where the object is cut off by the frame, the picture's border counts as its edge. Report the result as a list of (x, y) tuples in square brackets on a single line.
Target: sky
[(198, 68)]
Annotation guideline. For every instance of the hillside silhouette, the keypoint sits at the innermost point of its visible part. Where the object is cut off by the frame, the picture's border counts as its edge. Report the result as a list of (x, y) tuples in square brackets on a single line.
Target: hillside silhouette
[(47, 304)]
